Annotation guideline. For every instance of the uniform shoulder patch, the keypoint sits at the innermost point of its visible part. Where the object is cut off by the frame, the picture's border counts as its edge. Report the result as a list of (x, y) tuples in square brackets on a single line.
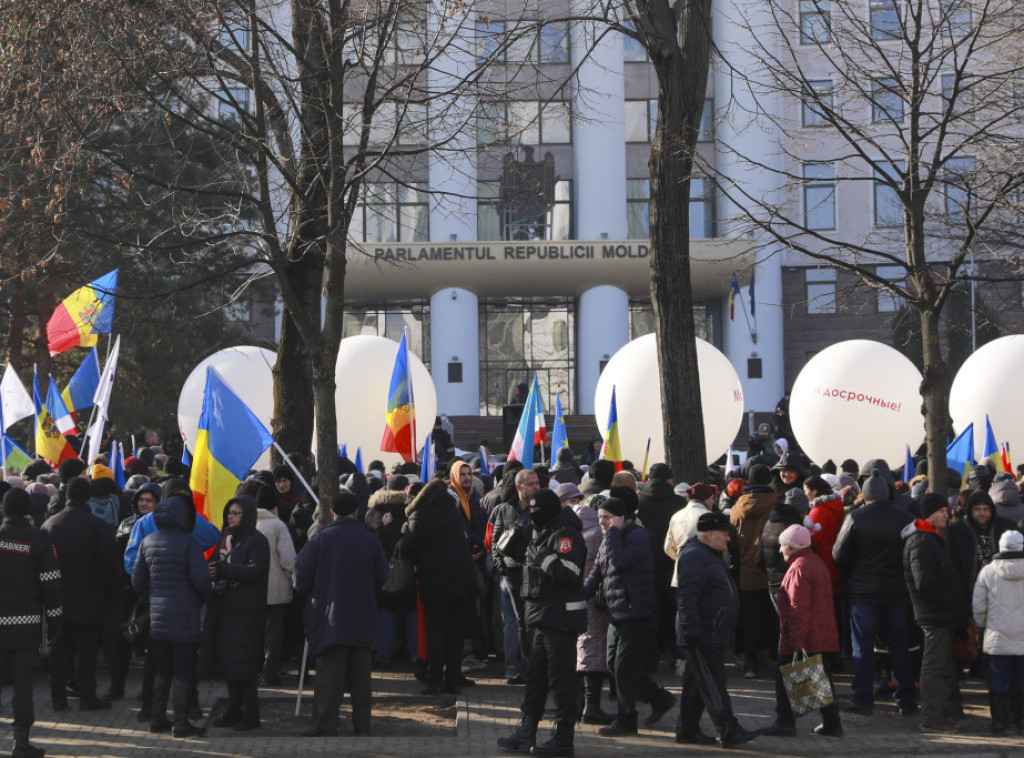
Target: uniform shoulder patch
[(565, 545)]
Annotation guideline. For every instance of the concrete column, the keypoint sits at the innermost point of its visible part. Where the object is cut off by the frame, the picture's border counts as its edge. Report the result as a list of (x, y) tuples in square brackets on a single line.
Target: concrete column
[(602, 327), (454, 338)]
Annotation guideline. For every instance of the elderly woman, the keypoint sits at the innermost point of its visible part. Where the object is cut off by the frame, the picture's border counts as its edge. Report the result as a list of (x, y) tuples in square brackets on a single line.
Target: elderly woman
[(235, 625)]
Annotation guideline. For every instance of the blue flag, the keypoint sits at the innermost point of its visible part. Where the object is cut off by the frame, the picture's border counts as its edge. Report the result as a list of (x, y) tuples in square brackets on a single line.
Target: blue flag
[(960, 453), (485, 467), (559, 438), (343, 450), (359, 460), (908, 467), (429, 466), (116, 464)]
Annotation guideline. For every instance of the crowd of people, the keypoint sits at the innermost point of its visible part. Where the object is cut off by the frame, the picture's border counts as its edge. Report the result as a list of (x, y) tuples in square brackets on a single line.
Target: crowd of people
[(577, 576)]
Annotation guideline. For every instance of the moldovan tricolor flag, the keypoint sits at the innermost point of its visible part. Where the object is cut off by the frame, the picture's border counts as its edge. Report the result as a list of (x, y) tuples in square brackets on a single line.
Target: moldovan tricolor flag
[(734, 290), (400, 424), (83, 314), (229, 441), (991, 452), (50, 443), (532, 428), (612, 450)]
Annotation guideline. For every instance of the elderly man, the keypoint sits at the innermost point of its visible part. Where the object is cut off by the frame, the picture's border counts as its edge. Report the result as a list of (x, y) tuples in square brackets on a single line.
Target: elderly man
[(708, 607)]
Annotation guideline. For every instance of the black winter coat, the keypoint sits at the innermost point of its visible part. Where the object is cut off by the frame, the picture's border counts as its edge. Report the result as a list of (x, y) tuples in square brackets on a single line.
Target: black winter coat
[(436, 542), (707, 601), (658, 503), (553, 575), (769, 559), (625, 564), (170, 570), (237, 617), (938, 595), (963, 539), (87, 554), (31, 584), (381, 502), (869, 551)]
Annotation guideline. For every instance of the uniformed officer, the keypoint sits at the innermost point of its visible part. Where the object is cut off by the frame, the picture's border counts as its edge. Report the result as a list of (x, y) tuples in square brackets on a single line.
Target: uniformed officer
[(557, 613), (29, 597)]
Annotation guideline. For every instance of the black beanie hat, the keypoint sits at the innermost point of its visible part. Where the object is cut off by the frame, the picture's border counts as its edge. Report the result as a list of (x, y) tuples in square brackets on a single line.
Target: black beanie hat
[(933, 502), (283, 472), (17, 502), (78, 489), (760, 474), (614, 506), (36, 469), (71, 468), (548, 505), (976, 498), (628, 496)]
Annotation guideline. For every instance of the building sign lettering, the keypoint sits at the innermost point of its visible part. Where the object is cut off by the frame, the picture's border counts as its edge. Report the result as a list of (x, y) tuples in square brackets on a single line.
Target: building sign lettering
[(557, 251)]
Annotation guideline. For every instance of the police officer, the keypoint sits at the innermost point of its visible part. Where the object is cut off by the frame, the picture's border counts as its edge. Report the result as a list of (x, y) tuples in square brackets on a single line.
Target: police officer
[(29, 596), (556, 612)]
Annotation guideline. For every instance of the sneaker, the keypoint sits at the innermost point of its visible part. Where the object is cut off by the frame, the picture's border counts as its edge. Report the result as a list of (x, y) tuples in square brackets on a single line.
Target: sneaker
[(749, 673), (679, 667), (663, 706), (511, 672), (823, 731)]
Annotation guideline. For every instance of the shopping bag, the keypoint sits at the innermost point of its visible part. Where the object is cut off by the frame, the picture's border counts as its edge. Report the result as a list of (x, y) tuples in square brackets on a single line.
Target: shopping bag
[(807, 685)]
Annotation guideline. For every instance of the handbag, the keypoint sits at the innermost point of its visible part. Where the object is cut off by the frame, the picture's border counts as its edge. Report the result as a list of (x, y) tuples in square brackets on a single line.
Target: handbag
[(965, 643), (807, 685), (138, 623), (401, 575)]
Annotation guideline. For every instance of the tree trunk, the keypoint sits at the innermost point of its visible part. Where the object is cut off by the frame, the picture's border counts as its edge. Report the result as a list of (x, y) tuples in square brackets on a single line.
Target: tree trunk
[(935, 404), (326, 430)]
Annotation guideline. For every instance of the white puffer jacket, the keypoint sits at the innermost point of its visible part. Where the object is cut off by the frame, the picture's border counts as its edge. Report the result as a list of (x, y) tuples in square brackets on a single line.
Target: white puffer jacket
[(282, 557), (998, 600)]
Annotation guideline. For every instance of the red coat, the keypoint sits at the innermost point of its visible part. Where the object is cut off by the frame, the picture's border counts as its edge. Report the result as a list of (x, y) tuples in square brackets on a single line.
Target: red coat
[(807, 618), (829, 513)]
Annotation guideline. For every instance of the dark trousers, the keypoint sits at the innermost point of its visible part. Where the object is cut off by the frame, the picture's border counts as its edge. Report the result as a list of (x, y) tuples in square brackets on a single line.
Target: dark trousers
[(627, 649), (174, 661), (19, 663), (940, 696), (691, 705), (552, 667), (1006, 674), (339, 666), (759, 624), (273, 640), (243, 699), (783, 708), (445, 622), (76, 642), (886, 616), (665, 622)]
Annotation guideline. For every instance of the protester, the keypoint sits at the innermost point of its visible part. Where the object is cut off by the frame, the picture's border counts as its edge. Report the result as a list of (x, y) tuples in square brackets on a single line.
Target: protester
[(279, 581), (592, 643), (396, 611)]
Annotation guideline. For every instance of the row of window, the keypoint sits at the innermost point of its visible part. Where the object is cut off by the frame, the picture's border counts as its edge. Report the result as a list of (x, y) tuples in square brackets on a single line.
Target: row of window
[(820, 289), (642, 120), (884, 19), (888, 100)]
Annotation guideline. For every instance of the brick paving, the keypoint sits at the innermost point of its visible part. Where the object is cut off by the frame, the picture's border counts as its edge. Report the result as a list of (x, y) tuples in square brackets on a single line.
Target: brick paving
[(490, 710)]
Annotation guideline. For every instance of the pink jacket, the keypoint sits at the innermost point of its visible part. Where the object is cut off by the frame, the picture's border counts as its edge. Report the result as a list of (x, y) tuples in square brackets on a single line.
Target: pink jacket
[(807, 618)]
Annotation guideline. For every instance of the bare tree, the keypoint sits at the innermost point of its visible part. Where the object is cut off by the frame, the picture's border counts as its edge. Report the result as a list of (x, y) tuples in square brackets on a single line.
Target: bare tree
[(911, 115)]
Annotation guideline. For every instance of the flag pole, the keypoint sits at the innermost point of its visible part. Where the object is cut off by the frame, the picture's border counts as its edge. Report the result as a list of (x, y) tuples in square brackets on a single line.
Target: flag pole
[(302, 479), (412, 401)]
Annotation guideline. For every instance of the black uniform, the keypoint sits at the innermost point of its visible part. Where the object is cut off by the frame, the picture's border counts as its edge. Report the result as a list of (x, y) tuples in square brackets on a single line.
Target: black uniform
[(557, 613), (29, 595)]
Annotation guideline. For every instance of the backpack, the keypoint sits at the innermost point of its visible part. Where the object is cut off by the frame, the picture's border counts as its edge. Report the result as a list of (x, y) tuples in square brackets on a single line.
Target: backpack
[(107, 508)]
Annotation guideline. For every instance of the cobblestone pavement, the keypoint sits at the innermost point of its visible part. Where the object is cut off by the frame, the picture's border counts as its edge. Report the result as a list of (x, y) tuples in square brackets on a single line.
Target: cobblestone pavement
[(490, 710)]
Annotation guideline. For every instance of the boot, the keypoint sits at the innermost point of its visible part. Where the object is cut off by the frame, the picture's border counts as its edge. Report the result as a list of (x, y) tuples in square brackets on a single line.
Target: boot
[(560, 743), (233, 714), (831, 724), (1015, 714), (592, 713), (734, 734), (158, 720), (998, 706), (523, 738), (25, 749), (250, 707)]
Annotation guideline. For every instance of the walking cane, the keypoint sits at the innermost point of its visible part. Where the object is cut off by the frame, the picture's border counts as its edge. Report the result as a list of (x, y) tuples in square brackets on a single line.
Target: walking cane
[(302, 678)]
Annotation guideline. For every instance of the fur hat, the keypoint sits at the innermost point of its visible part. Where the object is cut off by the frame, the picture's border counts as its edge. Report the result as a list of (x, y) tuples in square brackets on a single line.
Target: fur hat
[(71, 468), (713, 521), (660, 471)]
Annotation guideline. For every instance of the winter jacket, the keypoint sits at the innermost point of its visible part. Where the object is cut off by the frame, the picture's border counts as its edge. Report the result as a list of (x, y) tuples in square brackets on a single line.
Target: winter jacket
[(938, 595), (282, 557), (681, 527), (171, 572), (504, 517), (869, 551), (769, 559), (998, 599), (204, 533), (1006, 496), (30, 592), (625, 565), (749, 515), (707, 601), (436, 542), (87, 555), (827, 511), (591, 644), (553, 575), (900, 500), (806, 614), (236, 622), (968, 548), (381, 503), (658, 503), (338, 573)]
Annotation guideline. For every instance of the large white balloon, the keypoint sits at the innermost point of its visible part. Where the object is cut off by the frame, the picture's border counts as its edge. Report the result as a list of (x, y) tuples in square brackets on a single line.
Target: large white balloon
[(363, 376), (857, 399), (633, 371), (248, 371), (990, 382)]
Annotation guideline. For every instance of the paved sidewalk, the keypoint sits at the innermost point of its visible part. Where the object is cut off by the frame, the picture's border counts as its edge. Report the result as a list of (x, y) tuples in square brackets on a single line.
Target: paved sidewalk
[(490, 710)]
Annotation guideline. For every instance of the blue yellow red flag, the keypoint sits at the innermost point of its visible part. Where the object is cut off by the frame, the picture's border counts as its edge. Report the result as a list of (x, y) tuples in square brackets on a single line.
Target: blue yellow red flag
[(400, 421), (51, 445), (612, 449), (85, 313)]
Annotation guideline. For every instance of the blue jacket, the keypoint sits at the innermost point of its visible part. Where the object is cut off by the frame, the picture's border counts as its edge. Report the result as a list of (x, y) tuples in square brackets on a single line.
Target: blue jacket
[(204, 533), (339, 572), (707, 601), (625, 563), (170, 570)]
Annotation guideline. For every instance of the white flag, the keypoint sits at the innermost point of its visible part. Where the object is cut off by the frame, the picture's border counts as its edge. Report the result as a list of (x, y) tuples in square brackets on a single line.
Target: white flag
[(16, 402), (102, 400)]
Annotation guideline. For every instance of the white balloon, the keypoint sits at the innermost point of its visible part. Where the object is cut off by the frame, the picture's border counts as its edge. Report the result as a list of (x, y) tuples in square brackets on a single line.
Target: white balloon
[(857, 399), (363, 376), (634, 373), (989, 382), (248, 371)]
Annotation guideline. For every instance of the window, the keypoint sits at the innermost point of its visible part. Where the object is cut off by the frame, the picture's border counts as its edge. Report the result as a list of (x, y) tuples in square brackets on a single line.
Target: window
[(413, 127), (817, 103), (391, 212), (819, 196), (410, 43), (958, 179), (553, 45), (638, 209), (524, 122), (489, 42), (231, 103), (702, 208), (234, 35), (641, 120), (955, 99), (633, 50), (820, 285), (886, 100), (956, 18), (555, 224), (888, 207), (885, 20), (706, 130), (887, 301), (533, 43), (815, 21)]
